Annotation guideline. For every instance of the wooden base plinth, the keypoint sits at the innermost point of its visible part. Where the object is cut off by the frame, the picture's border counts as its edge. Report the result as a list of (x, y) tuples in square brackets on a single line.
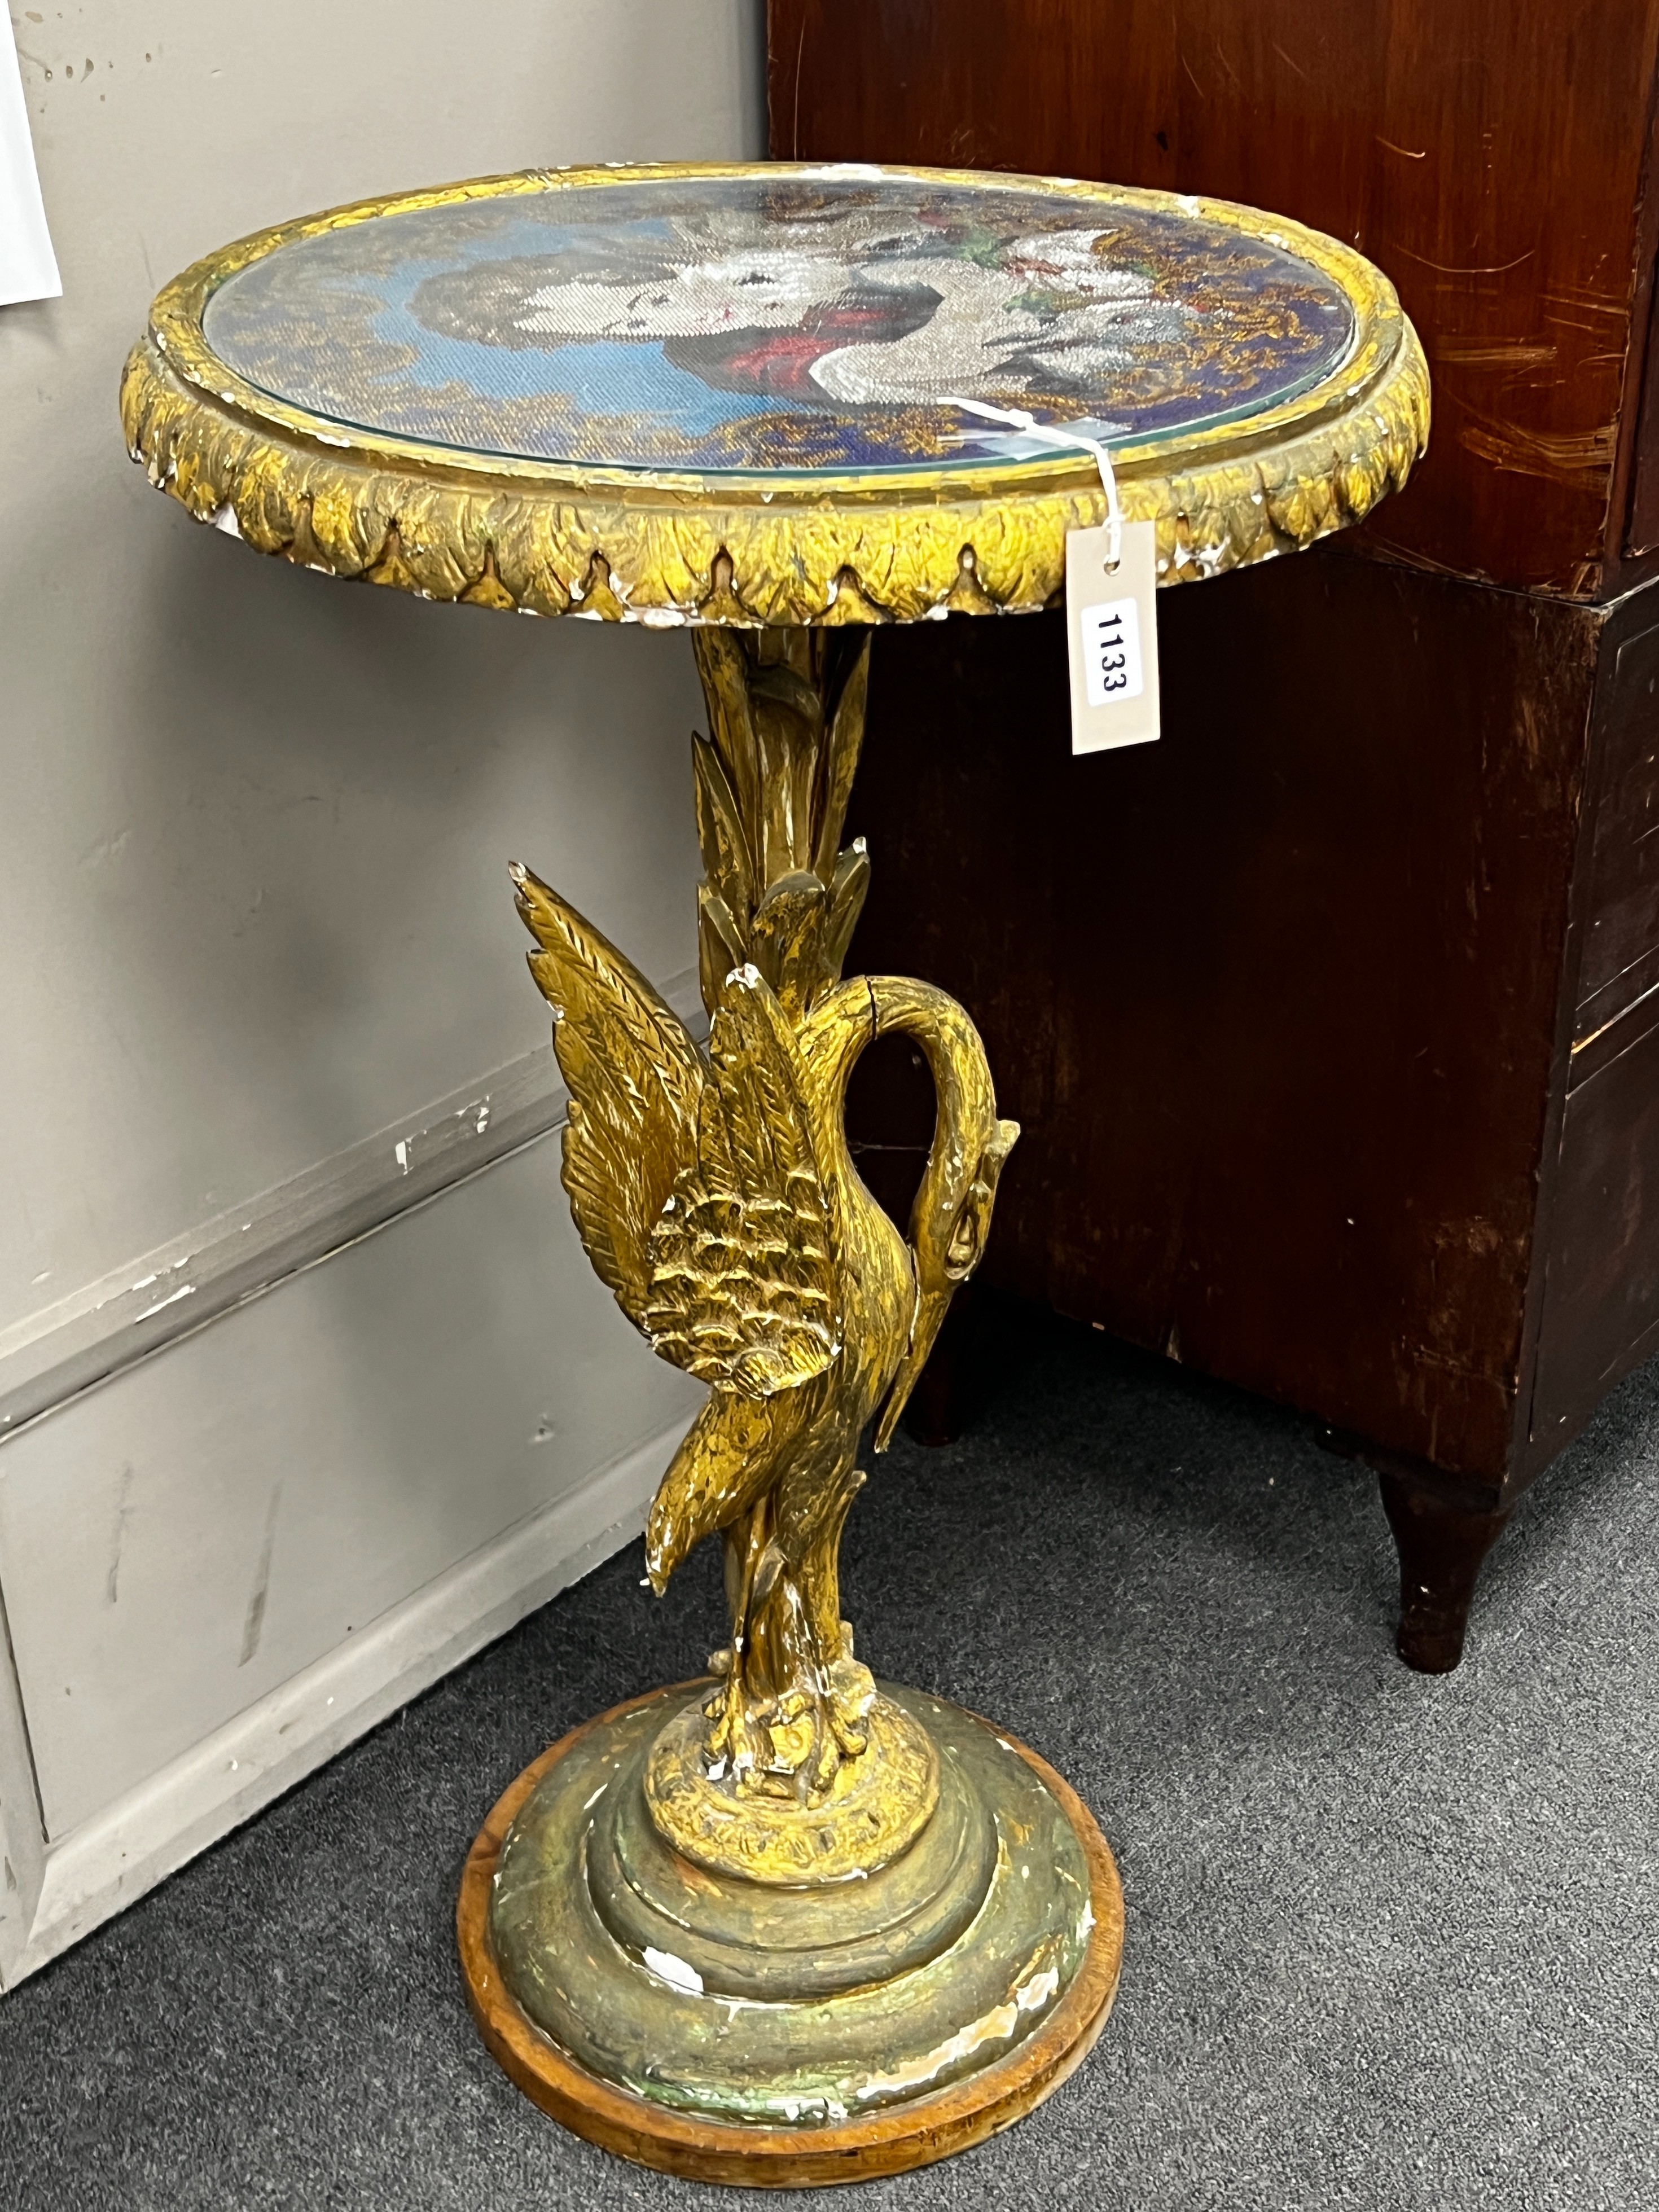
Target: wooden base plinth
[(889, 2141)]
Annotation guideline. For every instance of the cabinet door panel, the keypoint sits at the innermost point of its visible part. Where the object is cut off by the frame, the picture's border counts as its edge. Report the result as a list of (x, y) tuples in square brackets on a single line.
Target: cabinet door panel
[(1600, 1312), (1276, 999), (1620, 959)]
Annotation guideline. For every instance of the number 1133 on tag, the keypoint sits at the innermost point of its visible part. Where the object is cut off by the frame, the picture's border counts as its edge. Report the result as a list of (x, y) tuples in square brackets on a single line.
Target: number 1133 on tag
[(1112, 628), (1111, 652)]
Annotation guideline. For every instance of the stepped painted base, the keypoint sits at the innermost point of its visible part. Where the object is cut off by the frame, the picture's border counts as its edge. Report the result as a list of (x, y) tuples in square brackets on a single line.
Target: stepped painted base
[(747, 2032)]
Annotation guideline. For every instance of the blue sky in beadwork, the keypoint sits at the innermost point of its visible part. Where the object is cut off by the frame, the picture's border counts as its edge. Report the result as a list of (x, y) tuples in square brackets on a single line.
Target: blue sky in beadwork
[(756, 323)]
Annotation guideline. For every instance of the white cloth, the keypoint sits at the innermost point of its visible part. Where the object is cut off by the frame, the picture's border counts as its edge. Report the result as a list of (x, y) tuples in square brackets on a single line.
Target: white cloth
[(28, 267)]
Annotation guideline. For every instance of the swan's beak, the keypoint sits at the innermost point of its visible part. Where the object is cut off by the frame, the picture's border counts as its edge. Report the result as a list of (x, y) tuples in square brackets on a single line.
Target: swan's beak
[(932, 1306), (949, 1241)]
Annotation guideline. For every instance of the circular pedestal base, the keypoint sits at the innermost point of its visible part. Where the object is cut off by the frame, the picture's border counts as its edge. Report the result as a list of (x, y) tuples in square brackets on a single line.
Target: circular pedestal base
[(728, 2032)]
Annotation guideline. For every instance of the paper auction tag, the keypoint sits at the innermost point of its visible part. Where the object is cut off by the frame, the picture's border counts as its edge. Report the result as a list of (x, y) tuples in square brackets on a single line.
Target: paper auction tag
[(1111, 629)]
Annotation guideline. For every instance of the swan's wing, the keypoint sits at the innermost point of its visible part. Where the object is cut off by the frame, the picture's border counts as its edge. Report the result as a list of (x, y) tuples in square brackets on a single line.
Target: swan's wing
[(742, 1287), (636, 1080)]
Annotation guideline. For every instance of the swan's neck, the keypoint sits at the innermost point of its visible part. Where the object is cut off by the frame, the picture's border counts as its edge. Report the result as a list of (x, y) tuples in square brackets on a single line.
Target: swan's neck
[(843, 1021), (853, 1015)]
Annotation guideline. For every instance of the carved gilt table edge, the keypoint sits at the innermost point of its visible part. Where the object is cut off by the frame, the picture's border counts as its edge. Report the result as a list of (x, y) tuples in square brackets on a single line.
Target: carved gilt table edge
[(895, 2140), (621, 545)]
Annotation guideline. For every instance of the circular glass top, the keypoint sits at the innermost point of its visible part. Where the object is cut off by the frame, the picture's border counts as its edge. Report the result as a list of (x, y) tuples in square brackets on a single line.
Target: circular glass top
[(736, 393), (801, 321)]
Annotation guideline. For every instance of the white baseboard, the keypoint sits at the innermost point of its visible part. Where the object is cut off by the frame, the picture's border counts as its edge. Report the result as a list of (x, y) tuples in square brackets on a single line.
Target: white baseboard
[(112, 1859)]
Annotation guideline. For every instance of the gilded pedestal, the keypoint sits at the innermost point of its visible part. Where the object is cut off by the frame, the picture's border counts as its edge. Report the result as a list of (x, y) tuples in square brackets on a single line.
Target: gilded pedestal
[(790, 1901)]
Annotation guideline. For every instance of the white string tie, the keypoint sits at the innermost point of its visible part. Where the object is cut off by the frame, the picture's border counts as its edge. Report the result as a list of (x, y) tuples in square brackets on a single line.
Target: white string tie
[(1061, 440)]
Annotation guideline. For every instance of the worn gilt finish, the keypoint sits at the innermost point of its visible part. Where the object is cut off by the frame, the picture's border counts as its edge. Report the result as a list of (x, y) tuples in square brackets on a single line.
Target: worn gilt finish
[(787, 1925), (879, 2134), (621, 545), (794, 1900), (716, 1197)]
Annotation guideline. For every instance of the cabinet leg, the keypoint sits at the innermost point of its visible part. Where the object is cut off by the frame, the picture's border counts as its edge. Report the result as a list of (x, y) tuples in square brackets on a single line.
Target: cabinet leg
[(1441, 1549)]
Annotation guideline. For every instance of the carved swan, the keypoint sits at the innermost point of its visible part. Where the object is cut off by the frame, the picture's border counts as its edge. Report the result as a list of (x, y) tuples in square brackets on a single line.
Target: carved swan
[(716, 1197)]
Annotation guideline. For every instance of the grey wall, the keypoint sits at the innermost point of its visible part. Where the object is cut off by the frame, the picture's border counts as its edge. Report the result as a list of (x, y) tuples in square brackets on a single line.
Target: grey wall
[(254, 919), (251, 894)]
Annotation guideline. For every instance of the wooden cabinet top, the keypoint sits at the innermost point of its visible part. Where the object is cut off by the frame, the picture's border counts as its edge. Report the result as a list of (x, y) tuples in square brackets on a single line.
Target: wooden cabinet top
[(1492, 155)]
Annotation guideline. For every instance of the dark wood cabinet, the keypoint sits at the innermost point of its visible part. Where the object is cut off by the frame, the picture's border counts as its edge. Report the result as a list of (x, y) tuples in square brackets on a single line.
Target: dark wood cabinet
[(1333, 1018), (1493, 156)]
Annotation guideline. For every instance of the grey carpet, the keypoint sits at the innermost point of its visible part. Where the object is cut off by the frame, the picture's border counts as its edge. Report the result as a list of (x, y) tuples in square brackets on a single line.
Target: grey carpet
[(1391, 1940)]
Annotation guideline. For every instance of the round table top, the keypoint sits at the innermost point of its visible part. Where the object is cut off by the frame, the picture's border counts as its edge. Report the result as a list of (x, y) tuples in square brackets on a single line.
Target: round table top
[(733, 393)]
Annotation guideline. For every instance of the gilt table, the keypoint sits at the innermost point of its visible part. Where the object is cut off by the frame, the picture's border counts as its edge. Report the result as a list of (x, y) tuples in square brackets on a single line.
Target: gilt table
[(786, 1924)]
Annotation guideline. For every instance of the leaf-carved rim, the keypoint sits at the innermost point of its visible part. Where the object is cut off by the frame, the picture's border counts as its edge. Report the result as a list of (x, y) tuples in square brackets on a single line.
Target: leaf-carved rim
[(668, 548)]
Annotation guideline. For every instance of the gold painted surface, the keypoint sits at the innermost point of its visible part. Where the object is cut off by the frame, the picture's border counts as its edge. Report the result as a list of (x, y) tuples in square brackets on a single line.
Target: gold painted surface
[(625, 545), (716, 1197), (875, 1807)]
